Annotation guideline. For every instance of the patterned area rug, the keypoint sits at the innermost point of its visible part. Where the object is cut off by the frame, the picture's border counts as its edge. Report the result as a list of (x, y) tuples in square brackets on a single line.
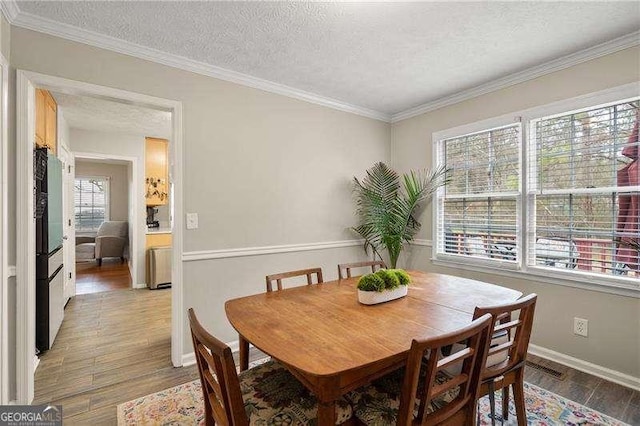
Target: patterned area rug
[(182, 405)]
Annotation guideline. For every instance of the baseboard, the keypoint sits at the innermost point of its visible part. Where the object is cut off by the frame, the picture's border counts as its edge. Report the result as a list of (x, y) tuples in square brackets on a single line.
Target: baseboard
[(587, 367), (139, 285), (190, 358)]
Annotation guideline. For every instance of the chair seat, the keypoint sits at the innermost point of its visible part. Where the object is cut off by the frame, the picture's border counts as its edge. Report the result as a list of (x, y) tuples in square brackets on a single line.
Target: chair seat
[(273, 396), (377, 404)]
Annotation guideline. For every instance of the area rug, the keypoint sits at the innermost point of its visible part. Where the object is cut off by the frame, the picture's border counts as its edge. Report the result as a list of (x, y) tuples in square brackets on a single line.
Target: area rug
[(182, 405)]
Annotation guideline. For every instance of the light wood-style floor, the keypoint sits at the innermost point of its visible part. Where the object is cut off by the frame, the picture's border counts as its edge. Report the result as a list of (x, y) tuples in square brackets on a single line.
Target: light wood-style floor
[(112, 347), (116, 346), (112, 275)]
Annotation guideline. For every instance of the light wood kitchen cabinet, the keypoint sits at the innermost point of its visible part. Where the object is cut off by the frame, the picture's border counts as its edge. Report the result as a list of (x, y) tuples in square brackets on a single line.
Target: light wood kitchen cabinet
[(157, 171), (46, 121), (158, 240)]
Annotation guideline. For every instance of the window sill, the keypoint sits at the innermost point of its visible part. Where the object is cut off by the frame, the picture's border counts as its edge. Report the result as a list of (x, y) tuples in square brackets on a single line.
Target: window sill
[(620, 287)]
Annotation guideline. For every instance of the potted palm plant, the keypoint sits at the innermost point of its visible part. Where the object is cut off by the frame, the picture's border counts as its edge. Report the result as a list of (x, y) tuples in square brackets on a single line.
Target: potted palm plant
[(388, 211)]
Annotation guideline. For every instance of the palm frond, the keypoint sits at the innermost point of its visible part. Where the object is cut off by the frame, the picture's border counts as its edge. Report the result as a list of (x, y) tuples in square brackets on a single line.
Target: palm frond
[(388, 215)]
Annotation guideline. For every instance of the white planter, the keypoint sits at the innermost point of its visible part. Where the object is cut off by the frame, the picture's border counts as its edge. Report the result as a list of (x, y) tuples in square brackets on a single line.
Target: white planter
[(374, 297)]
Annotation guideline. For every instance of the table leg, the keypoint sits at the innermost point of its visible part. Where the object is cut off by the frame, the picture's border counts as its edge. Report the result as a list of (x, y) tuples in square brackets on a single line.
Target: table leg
[(244, 353), (327, 413)]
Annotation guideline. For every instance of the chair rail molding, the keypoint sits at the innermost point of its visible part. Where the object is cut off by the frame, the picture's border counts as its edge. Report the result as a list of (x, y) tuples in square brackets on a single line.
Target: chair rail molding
[(191, 256)]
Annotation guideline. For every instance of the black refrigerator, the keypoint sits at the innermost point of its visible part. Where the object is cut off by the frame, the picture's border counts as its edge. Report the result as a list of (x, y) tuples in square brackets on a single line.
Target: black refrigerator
[(49, 252)]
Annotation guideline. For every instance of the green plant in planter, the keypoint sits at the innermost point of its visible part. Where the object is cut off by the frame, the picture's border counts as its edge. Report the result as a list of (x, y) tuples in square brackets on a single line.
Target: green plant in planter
[(384, 279), (387, 212)]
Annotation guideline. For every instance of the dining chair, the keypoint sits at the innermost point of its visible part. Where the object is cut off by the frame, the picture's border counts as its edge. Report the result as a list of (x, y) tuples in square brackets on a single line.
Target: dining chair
[(514, 321), (291, 274), (265, 394), (346, 267), (422, 393)]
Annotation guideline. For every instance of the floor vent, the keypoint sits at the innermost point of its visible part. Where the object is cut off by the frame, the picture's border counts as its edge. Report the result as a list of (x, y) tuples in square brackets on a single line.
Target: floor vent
[(547, 370)]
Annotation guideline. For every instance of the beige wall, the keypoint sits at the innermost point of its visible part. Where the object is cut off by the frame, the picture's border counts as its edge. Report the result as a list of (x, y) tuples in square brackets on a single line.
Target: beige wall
[(260, 169), (614, 321)]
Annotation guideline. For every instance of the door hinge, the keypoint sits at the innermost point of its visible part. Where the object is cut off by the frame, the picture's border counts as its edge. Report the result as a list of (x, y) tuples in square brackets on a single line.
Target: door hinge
[(69, 222), (69, 275), (69, 166)]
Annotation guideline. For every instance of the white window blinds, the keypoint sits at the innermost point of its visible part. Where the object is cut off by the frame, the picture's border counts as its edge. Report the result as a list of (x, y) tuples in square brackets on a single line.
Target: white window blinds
[(478, 210), (583, 184), (90, 203)]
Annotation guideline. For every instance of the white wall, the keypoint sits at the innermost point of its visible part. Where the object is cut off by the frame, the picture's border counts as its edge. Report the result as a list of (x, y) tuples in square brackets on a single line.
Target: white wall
[(614, 321), (118, 184), (127, 145)]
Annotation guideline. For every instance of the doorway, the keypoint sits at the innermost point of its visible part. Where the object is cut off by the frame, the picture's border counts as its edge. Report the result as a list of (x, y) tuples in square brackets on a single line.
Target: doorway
[(27, 82), (102, 193)]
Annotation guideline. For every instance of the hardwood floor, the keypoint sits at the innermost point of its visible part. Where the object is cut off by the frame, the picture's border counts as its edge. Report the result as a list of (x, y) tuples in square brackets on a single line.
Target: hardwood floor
[(116, 346), (112, 275), (614, 400), (112, 347)]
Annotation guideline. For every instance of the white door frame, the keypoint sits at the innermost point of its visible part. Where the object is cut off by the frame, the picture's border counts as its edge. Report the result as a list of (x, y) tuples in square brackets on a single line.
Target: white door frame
[(4, 234), (26, 83), (138, 237)]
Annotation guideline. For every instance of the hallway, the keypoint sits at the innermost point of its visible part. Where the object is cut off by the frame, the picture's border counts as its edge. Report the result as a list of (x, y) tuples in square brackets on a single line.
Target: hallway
[(112, 347)]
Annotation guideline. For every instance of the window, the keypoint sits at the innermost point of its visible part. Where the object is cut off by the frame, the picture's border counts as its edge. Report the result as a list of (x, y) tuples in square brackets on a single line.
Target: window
[(573, 214), (479, 209), (91, 203), (580, 177)]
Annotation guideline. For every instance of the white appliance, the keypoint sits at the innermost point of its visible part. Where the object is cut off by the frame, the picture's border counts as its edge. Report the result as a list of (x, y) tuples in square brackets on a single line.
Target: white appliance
[(159, 266)]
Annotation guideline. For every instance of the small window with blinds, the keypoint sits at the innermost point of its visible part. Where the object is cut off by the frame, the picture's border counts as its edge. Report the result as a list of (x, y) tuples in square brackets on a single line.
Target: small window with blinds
[(583, 191), (478, 210), (91, 203)]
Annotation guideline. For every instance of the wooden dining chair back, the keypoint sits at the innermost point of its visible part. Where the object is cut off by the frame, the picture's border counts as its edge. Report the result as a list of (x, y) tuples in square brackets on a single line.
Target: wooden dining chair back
[(223, 403), (516, 320), (344, 269), (460, 407), (279, 277)]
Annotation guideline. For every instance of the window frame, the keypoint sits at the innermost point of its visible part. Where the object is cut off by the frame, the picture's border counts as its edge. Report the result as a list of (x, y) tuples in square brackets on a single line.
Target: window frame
[(574, 278), (107, 206)]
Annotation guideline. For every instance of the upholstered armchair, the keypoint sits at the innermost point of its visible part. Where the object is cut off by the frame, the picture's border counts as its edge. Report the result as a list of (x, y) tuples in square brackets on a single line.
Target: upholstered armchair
[(110, 241)]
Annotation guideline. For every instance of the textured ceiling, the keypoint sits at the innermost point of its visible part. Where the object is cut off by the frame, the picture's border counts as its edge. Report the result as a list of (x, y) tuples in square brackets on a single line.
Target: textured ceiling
[(82, 112), (387, 57)]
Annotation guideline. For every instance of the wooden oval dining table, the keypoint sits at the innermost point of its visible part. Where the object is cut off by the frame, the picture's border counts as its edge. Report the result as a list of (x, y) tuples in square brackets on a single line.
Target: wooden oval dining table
[(333, 344)]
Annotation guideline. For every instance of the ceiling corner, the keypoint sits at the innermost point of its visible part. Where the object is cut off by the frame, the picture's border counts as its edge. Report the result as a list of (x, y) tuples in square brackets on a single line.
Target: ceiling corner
[(10, 10)]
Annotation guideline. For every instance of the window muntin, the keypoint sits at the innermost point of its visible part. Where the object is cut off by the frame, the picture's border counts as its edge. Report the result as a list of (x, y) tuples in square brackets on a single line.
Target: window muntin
[(478, 210), (91, 197)]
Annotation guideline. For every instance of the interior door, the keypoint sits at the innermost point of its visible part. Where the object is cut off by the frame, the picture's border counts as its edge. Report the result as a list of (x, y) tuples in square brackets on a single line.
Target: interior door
[(68, 179)]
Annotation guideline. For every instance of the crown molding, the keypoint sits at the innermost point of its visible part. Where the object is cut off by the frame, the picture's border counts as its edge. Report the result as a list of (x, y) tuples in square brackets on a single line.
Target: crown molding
[(37, 23), (615, 45), (70, 32), (9, 9)]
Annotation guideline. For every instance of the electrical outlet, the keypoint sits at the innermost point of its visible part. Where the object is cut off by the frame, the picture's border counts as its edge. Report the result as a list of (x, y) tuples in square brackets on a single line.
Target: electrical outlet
[(581, 327), (192, 220)]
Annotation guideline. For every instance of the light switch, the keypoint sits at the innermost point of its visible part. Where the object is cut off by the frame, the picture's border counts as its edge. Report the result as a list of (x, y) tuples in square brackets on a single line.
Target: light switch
[(192, 220)]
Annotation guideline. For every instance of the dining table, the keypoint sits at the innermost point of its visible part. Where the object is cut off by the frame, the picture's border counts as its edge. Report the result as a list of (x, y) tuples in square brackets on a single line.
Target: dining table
[(333, 344)]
